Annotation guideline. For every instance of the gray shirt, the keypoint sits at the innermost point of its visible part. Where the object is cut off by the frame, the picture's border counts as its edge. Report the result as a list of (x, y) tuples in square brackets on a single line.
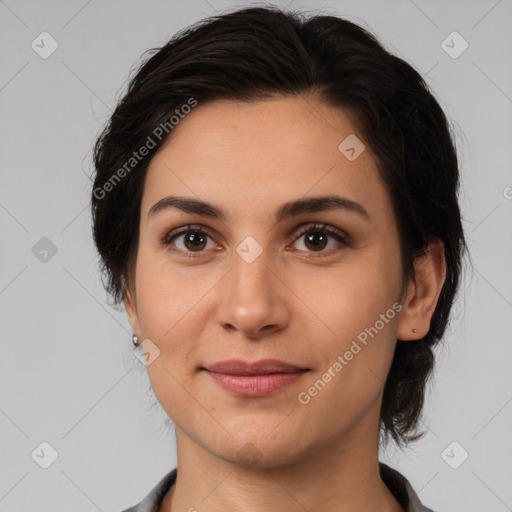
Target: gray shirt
[(395, 481)]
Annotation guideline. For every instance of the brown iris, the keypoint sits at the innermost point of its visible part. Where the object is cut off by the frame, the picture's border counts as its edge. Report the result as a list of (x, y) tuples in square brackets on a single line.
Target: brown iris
[(313, 237), (196, 239)]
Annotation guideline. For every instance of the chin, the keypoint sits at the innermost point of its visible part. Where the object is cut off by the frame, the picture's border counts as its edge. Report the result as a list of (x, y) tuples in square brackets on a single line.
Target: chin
[(262, 448)]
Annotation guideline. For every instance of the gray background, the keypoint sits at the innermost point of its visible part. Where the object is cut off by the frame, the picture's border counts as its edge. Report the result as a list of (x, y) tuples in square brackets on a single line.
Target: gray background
[(67, 372)]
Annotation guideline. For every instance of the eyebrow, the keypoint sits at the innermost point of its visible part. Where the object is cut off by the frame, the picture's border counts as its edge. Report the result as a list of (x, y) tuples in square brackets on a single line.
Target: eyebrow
[(285, 211)]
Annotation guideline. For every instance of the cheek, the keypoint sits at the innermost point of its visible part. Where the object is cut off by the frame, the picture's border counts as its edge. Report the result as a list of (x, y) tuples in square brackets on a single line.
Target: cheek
[(170, 316), (352, 297), (168, 298), (355, 360), (358, 305)]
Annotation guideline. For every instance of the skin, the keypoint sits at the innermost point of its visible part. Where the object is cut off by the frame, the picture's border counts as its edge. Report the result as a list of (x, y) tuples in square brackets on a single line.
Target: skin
[(249, 159)]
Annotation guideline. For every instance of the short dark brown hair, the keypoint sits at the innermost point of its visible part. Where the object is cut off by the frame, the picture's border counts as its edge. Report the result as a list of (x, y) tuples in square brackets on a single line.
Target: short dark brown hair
[(251, 54)]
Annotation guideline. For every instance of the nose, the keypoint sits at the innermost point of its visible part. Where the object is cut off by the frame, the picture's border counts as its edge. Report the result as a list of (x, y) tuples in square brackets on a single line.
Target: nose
[(253, 299)]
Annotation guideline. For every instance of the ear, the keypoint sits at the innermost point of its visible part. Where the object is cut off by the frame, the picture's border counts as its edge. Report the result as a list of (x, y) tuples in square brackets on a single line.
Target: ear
[(130, 304), (422, 293)]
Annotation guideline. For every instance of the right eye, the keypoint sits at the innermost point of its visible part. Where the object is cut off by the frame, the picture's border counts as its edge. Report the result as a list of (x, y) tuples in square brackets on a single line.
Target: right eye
[(194, 239)]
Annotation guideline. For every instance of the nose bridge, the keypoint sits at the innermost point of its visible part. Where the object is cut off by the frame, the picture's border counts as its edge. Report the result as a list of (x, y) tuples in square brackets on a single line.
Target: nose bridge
[(251, 274)]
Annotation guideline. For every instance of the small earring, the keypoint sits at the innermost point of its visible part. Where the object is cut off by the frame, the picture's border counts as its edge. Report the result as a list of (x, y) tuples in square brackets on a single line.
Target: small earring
[(136, 339), (415, 331)]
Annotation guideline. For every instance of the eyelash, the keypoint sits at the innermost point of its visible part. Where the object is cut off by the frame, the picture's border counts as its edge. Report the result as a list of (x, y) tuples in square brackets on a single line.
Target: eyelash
[(337, 235)]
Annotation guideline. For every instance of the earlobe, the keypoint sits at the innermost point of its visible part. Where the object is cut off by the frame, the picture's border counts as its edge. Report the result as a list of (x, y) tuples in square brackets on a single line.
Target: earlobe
[(423, 293)]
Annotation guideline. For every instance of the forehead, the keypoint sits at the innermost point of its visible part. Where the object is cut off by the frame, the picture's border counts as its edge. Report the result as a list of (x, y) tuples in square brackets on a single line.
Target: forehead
[(250, 155)]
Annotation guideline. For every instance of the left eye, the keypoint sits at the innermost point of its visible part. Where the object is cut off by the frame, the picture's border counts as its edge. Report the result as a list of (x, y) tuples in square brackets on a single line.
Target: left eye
[(195, 239), (317, 235)]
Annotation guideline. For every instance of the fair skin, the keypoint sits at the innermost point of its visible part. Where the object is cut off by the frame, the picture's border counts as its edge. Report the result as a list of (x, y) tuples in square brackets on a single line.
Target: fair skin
[(248, 159)]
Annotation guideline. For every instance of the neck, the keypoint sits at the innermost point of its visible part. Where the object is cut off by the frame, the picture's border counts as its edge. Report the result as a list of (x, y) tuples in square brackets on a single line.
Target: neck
[(332, 477)]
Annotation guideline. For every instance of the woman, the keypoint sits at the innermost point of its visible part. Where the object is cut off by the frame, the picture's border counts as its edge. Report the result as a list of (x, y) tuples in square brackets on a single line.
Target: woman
[(275, 203)]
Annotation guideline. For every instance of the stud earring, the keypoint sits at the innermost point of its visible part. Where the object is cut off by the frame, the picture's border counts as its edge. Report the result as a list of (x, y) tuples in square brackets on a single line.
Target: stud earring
[(415, 331), (136, 339)]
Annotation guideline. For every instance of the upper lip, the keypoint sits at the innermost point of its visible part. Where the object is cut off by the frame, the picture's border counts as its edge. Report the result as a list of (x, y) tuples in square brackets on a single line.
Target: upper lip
[(262, 367)]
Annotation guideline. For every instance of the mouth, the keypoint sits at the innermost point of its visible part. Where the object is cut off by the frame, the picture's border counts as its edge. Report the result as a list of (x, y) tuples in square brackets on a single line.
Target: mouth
[(254, 379)]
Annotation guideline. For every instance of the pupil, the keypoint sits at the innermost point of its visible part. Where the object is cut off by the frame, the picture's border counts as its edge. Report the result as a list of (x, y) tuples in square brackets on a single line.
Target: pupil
[(190, 238), (314, 236)]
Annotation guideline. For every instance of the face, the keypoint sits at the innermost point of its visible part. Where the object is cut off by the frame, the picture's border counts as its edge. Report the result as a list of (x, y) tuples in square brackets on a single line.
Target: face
[(315, 288)]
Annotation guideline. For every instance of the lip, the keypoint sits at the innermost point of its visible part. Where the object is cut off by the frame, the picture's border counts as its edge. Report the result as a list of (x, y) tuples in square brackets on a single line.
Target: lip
[(262, 367), (254, 379)]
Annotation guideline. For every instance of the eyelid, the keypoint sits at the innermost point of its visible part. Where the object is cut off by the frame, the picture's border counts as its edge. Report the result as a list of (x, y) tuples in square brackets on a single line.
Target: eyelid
[(331, 230), (183, 229)]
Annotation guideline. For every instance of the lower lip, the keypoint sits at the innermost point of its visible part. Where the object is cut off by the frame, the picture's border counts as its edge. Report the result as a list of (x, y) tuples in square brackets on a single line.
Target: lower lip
[(255, 385)]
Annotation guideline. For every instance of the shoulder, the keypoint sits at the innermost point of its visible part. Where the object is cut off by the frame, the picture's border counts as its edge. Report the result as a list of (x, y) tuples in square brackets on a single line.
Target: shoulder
[(152, 501), (401, 489)]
